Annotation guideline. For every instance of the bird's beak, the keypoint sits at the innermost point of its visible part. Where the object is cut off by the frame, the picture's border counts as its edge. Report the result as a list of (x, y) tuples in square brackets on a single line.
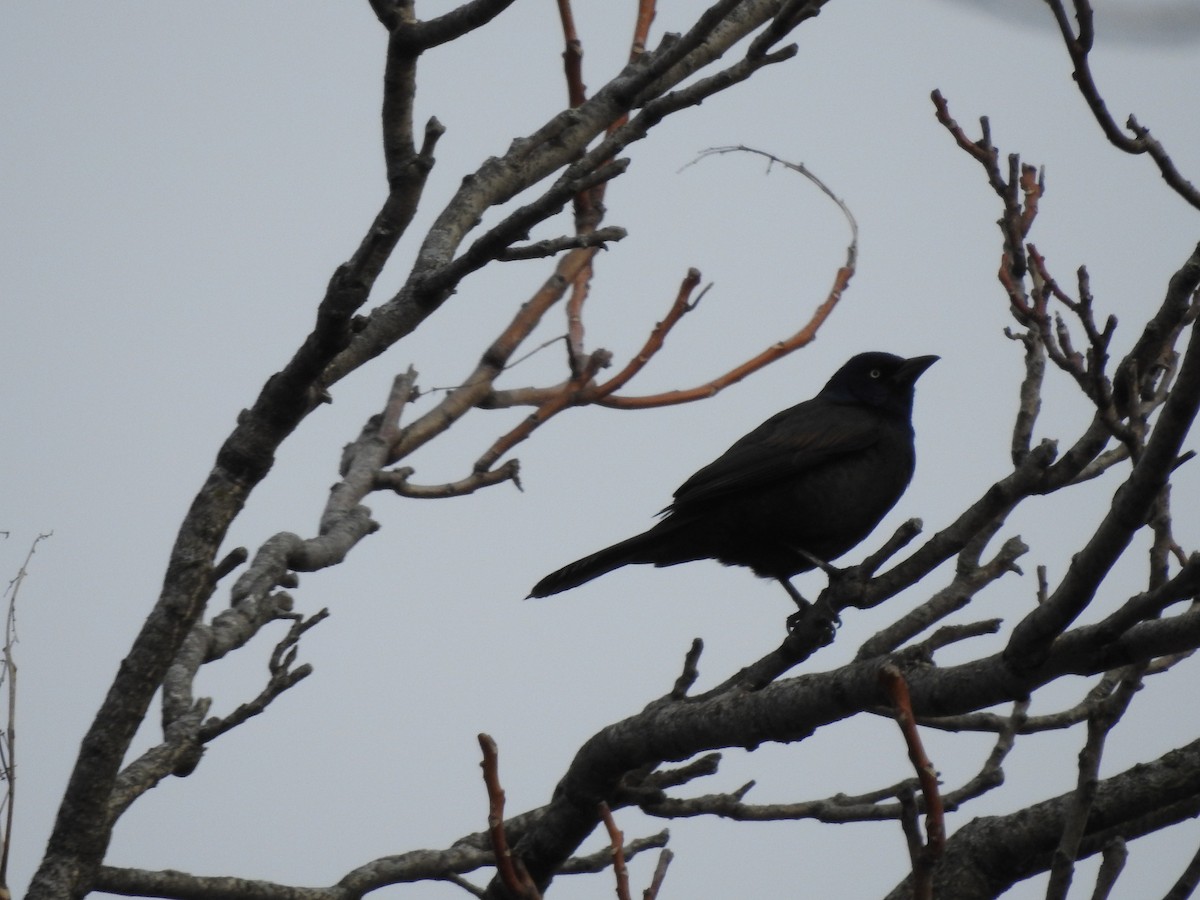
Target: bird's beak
[(910, 370)]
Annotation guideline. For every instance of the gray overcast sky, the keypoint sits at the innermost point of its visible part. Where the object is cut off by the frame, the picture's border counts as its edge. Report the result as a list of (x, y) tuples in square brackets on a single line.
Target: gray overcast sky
[(179, 182)]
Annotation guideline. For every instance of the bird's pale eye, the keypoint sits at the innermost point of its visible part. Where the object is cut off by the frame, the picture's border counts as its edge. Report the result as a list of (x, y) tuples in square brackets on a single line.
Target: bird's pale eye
[(876, 373)]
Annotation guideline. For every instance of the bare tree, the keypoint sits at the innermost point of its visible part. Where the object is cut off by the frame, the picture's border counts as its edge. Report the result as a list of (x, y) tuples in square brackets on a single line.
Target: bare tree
[(1140, 407)]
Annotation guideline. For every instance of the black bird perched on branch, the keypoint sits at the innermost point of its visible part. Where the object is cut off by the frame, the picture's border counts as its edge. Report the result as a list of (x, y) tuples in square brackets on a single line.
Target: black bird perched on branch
[(799, 490)]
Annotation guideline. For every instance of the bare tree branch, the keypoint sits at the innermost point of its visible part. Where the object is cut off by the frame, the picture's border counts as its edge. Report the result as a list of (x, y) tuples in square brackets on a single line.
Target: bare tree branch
[(1137, 408), (1079, 45)]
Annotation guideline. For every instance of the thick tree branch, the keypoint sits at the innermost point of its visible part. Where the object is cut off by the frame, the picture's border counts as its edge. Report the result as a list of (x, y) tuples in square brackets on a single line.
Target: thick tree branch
[(988, 855)]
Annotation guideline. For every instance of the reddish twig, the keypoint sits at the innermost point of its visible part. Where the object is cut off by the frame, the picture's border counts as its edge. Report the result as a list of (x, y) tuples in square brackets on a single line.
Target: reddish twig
[(1022, 180), (556, 403), (581, 390), (589, 203), (683, 304), (1033, 185), (983, 150), (587, 211), (893, 683), (572, 56), (508, 867), (801, 338), (641, 30), (617, 840), (1022, 308), (478, 384), (1051, 286), (1021, 192), (579, 293)]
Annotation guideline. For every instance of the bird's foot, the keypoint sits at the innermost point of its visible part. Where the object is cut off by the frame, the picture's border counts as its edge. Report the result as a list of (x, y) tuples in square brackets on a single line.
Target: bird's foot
[(803, 608), (796, 619)]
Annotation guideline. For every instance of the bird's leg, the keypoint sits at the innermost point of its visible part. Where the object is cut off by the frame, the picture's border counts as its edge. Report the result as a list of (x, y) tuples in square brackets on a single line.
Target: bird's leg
[(832, 572), (802, 605), (793, 593), (794, 619), (818, 563)]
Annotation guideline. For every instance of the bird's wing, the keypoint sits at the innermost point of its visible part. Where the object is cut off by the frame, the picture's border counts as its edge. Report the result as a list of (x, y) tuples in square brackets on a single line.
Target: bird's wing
[(785, 445)]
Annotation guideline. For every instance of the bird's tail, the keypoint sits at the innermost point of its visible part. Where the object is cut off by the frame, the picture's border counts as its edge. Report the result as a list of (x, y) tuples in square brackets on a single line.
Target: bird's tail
[(631, 550)]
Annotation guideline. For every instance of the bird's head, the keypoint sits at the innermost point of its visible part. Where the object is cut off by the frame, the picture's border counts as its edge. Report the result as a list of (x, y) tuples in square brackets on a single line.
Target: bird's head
[(881, 380)]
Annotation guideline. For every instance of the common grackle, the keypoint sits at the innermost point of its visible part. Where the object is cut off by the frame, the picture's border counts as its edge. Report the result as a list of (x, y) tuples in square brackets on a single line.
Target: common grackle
[(801, 489)]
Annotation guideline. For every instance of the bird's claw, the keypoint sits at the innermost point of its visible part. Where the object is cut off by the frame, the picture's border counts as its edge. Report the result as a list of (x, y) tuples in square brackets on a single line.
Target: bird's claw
[(793, 621), (834, 621)]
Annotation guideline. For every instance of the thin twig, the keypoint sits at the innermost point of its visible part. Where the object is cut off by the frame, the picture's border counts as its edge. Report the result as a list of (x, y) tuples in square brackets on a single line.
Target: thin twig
[(894, 685), (802, 338), (660, 873), (508, 867), (682, 306), (616, 841), (1078, 46), (1103, 716), (8, 672)]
